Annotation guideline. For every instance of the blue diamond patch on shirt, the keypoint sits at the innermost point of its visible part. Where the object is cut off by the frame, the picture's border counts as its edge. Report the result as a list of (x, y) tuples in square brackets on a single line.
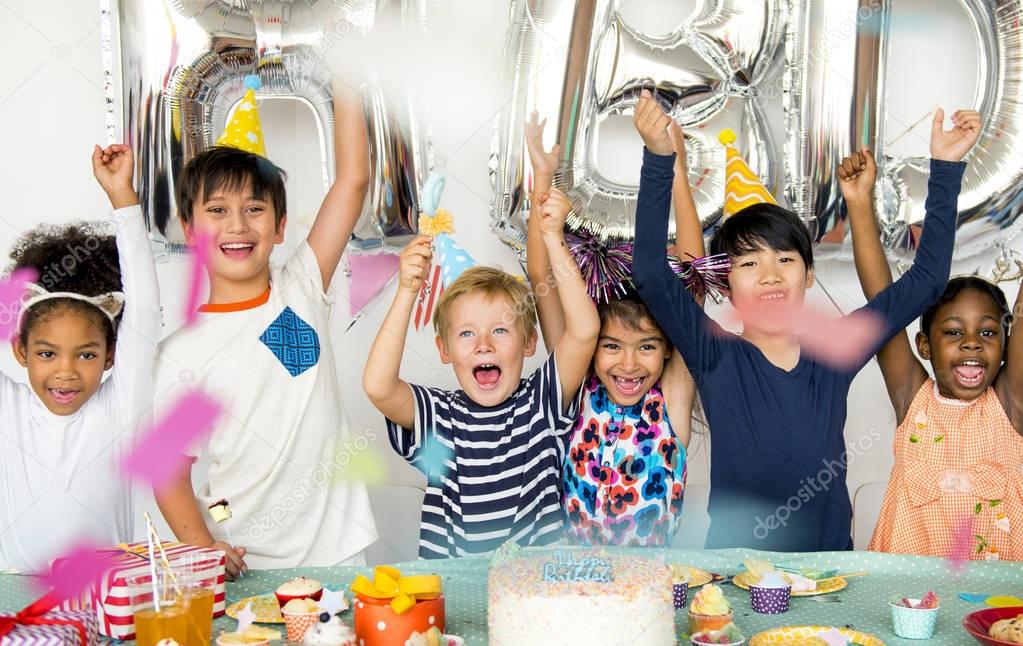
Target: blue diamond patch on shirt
[(293, 341)]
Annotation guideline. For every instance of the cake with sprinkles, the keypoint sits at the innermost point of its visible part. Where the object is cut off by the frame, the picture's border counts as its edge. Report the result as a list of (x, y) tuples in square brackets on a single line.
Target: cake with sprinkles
[(579, 597)]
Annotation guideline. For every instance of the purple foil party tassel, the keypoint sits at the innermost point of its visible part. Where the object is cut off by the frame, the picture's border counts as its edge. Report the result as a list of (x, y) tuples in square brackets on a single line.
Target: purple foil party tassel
[(606, 269), (706, 276)]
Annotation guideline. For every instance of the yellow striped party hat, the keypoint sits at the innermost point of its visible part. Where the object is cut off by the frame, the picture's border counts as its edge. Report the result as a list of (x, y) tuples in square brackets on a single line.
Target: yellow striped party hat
[(243, 130), (742, 187)]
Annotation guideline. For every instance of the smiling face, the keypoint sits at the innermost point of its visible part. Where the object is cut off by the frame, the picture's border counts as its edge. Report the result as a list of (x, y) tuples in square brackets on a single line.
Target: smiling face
[(629, 360), (65, 354), (965, 344), (768, 287), (243, 231), (486, 346)]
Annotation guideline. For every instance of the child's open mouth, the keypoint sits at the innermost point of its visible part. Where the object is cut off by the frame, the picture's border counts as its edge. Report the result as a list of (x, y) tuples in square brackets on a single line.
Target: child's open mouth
[(970, 373), (62, 396), (237, 250), (487, 375), (628, 387)]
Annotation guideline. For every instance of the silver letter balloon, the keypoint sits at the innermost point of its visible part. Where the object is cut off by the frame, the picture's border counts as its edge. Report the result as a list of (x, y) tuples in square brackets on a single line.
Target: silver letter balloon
[(178, 67), (577, 63)]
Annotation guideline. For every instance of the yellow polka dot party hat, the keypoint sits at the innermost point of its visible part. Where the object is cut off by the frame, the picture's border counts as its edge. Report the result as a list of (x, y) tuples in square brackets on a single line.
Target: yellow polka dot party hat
[(742, 187), (243, 130)]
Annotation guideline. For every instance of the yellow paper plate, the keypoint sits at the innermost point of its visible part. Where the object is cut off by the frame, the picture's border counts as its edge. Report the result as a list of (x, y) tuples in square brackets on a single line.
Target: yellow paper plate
[(834, 585), (804, 636), (267, 610), (697, 576)]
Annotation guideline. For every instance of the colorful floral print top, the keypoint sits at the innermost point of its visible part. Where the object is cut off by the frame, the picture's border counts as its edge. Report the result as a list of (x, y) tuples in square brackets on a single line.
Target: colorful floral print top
[(624, 473)]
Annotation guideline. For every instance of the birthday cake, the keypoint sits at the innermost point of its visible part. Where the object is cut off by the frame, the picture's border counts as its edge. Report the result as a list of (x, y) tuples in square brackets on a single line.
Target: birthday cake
[(579, 597)]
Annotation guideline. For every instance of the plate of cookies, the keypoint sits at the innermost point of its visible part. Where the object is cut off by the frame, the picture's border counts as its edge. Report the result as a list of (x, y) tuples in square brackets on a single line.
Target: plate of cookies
[(996, 626)]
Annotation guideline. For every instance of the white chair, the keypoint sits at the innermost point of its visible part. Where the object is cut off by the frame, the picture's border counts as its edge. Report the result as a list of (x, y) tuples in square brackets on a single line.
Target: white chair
[(396, 509), (866, 510)]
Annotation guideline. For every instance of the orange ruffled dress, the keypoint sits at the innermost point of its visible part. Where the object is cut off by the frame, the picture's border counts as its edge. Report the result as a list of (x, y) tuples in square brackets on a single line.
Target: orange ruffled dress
[(955, 461)]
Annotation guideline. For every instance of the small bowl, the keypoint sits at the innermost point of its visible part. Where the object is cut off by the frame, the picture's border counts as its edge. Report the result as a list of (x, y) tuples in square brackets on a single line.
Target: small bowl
[(693, 641), (977, 623), (913, 623)]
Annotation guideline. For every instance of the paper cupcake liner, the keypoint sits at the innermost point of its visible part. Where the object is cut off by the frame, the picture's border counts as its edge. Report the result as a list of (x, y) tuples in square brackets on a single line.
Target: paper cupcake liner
[(770, 601), (297, 625), (680, 594), (699, 623), (914, 623)]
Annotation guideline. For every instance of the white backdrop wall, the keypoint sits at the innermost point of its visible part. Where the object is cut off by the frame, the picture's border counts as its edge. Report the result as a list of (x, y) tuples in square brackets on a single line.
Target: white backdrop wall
[(52, 112)]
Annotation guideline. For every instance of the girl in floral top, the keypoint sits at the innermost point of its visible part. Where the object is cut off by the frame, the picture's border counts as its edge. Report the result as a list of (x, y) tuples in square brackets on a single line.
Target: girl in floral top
[(957, 482), (625, 470)]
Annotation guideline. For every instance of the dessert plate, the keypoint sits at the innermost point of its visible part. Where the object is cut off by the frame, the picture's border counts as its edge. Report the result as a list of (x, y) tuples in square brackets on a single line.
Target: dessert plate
[(697, 576), (267, 610), (743, 580), (806, 635)]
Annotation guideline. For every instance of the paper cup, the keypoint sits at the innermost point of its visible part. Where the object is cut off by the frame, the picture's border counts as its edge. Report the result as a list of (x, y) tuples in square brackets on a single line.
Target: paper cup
[(680, 594), (699, 623), (913, 623), (298, 624), (770, 601)]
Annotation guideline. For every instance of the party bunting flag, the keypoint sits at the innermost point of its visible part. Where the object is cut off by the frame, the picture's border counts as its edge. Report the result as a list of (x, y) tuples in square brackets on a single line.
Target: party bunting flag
[(370, 273)]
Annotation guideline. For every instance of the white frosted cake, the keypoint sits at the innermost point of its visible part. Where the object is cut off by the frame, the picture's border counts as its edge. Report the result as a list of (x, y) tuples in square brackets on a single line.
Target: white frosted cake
[(577, 597)]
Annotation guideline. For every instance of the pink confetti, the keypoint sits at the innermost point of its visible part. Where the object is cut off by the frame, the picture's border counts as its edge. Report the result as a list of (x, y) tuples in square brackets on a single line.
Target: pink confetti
[(962, 544), (202, 243), (841, 342), (12, 290), (159, 453), (76, 571)]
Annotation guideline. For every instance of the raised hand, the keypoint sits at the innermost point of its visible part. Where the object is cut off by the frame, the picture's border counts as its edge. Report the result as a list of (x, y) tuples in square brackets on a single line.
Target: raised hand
[(952, 145), (678, 142), (652, 124), (545, 164), (554, 210), (415, 261), (857, 174), (114, 168)]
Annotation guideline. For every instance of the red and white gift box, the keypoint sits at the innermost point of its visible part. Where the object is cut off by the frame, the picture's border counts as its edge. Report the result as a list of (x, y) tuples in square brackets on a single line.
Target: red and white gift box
[(109, 596), (36, 626)]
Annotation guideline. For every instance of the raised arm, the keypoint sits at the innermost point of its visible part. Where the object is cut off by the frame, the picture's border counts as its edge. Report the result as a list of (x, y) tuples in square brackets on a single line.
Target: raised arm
[(907, 298), (698, 338), (139, 331), (689, 242), (902, 371), (1009, 383), (582, 325), (343, 204), (391, 395), (538, 262)]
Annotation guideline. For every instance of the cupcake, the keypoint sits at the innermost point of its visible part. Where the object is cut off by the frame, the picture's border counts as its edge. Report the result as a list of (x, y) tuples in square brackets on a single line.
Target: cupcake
[(709, 610), (329, 631), (299, 588), (299, 616)]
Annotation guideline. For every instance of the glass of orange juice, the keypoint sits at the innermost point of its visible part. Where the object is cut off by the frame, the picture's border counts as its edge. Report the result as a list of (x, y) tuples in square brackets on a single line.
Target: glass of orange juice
[(202, 573), (159, 605)]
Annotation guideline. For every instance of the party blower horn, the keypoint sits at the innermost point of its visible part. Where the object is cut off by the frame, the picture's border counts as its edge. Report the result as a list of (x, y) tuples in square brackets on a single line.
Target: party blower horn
[(452, 259)]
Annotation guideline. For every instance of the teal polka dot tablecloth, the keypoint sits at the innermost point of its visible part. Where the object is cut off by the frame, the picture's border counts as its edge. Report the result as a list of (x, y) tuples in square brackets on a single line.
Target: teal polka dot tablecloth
[(863, 605)]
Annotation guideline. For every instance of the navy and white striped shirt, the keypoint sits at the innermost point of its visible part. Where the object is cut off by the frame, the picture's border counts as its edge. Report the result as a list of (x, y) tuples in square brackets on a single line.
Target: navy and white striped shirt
[(501, 465)]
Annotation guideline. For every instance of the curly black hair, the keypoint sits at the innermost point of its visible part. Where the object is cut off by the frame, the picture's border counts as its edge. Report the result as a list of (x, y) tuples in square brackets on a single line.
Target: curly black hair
[(960, 284), (79, 257)]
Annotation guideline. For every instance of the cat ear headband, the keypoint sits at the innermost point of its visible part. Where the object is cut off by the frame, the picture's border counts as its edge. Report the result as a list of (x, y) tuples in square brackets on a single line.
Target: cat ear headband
[(110, 303)]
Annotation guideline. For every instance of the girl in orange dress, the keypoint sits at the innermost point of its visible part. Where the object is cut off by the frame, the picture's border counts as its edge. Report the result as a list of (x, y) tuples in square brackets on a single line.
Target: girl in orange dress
[(959, 444)]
